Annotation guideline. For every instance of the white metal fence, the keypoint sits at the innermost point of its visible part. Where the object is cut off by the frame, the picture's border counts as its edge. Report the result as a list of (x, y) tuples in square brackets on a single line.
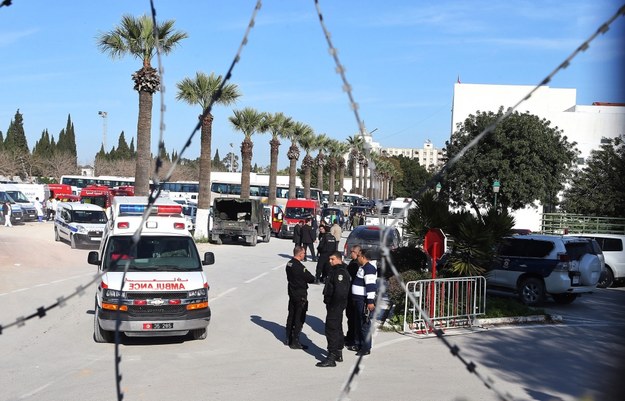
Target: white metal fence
[(449, 302)]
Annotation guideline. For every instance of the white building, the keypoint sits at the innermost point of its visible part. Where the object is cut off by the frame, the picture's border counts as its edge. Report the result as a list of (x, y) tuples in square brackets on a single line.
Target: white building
[(585, 124), (428, 156)]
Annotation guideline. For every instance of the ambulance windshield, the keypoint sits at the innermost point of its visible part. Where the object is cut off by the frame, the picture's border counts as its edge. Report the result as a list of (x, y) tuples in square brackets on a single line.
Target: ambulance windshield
[(153, 253)]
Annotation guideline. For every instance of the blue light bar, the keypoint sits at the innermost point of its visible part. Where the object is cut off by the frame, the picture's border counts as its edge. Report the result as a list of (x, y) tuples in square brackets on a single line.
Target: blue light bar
[(126, 209)]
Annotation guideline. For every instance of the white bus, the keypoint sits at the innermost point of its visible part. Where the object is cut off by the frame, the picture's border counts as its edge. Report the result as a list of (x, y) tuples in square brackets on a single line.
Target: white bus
[(78, 182)]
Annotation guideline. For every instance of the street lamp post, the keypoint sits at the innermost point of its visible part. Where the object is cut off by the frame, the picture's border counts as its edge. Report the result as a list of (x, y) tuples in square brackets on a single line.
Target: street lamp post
[(496, 185), (104, 115)]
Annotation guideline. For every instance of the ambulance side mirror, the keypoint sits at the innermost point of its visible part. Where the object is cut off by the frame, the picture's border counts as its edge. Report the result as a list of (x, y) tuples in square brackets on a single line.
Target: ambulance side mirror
[(209, 258), (93, 258)]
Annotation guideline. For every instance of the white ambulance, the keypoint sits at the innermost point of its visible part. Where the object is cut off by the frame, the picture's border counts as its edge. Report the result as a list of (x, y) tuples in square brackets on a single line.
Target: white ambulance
[(164, 291)]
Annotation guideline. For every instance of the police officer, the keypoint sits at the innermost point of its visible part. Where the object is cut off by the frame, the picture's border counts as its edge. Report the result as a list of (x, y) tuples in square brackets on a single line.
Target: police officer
[(298, 278), (327, 245), (352, 269), (335, 293)]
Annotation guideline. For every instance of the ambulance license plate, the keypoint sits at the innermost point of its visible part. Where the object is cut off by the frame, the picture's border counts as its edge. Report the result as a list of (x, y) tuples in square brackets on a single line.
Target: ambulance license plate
[(157, 326)]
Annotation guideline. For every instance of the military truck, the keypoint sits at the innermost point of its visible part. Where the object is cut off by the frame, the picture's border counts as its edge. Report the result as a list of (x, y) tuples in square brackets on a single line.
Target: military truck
[(235, 218)]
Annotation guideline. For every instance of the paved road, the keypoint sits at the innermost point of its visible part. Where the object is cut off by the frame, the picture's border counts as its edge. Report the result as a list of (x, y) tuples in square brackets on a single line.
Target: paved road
[(243, 358)]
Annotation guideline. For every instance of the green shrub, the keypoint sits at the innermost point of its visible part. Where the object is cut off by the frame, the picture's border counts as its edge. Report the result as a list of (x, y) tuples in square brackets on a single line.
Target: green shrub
[(406, 259), (396, 292)]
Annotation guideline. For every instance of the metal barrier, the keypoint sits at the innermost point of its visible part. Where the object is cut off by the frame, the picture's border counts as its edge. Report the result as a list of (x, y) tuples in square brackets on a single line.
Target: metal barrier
[(449, 302)]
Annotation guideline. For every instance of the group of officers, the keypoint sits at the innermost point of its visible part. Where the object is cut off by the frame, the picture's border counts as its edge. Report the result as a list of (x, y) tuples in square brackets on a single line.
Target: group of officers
[(349, 289)]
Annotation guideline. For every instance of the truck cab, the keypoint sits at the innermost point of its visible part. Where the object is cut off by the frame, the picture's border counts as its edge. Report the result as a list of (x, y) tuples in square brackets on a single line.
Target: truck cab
[(154, 286), (296, 210)]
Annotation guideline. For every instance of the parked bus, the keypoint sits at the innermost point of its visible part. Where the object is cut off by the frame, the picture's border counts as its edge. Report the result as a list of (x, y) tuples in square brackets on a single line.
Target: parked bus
[(78, 182)]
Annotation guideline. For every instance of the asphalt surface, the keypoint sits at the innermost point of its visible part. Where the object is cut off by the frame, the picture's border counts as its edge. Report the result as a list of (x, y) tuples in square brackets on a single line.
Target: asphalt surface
[(244, 358)]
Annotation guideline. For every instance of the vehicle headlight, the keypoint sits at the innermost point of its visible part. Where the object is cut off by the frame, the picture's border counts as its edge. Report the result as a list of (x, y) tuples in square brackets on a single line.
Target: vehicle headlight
[(114, 294), (201, 292), (82, 229)]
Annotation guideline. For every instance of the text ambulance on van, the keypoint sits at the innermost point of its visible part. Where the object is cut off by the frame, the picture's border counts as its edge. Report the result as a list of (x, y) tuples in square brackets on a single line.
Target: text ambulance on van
[(165, 292)]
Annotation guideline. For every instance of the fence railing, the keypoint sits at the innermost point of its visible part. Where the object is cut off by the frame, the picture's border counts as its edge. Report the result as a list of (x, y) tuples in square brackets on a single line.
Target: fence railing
[(563, 223), (449, 302)]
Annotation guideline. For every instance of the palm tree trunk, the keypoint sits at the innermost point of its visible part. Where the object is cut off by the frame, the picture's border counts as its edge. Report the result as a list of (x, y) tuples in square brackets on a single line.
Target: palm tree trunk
[(320, 174), (204, 191), (341, 179), (360, 179), (364, 182), (246, 166), (307, 182), (292, 172), (354, 178), (331, 186), (273, 170), (144, 155)]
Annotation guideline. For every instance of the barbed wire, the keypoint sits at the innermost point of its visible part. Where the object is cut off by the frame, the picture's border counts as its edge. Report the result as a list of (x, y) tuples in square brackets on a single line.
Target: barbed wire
[(41, 312), (454, 349)]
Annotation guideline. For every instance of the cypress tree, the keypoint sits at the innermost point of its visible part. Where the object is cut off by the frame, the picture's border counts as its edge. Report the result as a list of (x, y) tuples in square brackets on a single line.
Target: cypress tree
[(1, 141), (70, 136), (16, 138), (123, 151), (216, 159), (133, 153)]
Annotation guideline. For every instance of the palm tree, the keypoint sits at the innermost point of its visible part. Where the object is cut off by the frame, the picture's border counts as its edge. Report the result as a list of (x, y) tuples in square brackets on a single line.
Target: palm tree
[(279, 125), (247, 121), (364, 168), (307, 142), (134, 36), (201, 91), (355, 149), (320, 144), (296, 131), (332, 147)]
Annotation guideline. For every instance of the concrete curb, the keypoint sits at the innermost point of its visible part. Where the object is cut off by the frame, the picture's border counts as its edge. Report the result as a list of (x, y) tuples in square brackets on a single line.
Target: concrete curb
[(493, 321)]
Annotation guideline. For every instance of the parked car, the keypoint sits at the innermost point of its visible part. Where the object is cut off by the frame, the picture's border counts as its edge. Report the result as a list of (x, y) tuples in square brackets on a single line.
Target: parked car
[(614, 257), (539, 265), (368, 237)]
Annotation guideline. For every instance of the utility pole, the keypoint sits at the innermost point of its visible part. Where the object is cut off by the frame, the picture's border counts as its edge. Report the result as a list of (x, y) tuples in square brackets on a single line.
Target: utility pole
[(104, 115), (232, 158)]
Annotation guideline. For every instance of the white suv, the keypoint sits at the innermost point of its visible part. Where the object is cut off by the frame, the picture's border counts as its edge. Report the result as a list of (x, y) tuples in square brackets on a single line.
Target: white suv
[(537, 265), (614, 255)]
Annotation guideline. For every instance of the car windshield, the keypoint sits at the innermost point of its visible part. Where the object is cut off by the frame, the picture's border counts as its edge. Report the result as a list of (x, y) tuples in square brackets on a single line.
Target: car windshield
[(89, 216), (18, 196), (153, 253), (298, 212)]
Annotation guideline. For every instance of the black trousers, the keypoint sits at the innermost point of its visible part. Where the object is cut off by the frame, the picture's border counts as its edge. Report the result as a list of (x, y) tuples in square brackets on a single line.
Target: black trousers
[(312, 251), (350, 336), (321, 271), (334, 328), (298, 306)]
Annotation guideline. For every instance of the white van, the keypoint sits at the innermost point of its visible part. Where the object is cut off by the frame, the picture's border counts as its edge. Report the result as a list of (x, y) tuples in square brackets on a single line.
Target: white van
[(614, 255), (79, 224), (17, 215), (28, 208)]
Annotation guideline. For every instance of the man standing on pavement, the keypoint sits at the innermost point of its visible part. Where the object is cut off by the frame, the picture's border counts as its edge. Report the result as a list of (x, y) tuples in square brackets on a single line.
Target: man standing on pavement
[(336, 231), (327, 245), (298, 278), (308, 239), (297, 233), (364, 288), (335, 294), (352, 269)]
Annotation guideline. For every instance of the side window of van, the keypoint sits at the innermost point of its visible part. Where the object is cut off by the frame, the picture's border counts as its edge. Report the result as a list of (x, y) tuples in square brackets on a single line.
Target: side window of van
[(612, 244)]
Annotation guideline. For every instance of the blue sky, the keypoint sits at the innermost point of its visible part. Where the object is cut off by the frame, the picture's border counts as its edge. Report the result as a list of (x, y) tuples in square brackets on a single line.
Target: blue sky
[(402, 60)]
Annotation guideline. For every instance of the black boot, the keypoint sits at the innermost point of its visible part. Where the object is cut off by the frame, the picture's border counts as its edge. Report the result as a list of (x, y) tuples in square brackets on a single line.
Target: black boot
[(338, 356), (328, 362), (295, 344)]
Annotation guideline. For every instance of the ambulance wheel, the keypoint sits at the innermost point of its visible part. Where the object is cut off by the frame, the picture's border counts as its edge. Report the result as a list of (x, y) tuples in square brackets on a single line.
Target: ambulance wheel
[(199, 334), (72, 242), (56, 235), (100, 335)]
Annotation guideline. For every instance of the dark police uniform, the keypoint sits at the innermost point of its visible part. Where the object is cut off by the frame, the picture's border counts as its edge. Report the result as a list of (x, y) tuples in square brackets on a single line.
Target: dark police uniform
[(298, 278), (352, 269), (335, 293), (327, 245)]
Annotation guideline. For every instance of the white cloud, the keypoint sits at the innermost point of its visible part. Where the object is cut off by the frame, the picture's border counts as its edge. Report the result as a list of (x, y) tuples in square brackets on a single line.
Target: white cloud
[(9, 38)]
